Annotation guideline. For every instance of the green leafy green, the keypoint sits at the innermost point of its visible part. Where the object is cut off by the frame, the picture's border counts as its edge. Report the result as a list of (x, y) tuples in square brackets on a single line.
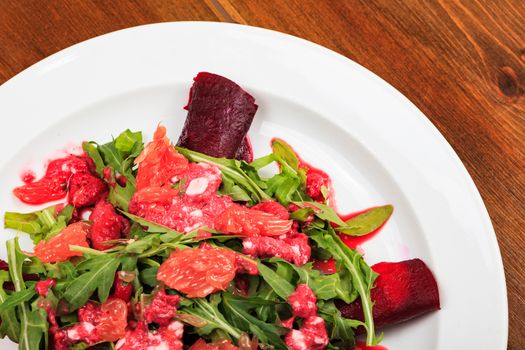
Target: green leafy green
[(280, 285), (289, 184), (17, 298), (119, 156), (341, 329), (99, 275), (33, 330), (10, 325), (148, 276), (362, 275), (129, 142), (358, 225), (366, 222), (40, 224), (237, 312), (208, 312), (232, 171), (33, 324), (92, 151), (28, 223)]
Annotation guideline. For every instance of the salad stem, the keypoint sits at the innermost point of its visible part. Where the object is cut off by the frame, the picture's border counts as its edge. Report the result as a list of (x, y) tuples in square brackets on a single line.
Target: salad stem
[(364, 293)]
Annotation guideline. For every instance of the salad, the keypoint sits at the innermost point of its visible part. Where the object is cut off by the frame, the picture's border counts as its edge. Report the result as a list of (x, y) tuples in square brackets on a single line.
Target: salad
[(162, 247)]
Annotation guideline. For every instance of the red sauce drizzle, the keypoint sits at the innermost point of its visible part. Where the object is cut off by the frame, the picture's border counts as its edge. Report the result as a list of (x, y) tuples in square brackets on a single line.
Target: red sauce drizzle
[(28, 176)]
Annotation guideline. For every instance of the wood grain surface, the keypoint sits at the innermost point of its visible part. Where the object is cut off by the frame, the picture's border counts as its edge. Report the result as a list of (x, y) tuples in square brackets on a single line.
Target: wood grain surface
[(461, 62)]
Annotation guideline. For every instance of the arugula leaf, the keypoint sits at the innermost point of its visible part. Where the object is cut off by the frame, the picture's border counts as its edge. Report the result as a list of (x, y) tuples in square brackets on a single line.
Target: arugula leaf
[(99, 276), (33, 330), (323, 212), (28, 223), (148, 276), (92, 151), (10, 324), (261, 162), (281, 286), (17, 298), (33, 324), (236, 192), (362, 275), (285, 154), (366, 222), (232, 170), (283, 187), (290, 184), (209, 314), (120, 196), (237, 313), (325, 287), (341, 329), (302, 214), (41, 224), (265, 312), (119, 156), (151, 226), (127, 141)]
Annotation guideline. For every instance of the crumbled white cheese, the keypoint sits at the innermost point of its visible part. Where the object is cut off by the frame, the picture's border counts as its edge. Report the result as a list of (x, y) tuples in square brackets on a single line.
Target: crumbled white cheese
[(197, 186)]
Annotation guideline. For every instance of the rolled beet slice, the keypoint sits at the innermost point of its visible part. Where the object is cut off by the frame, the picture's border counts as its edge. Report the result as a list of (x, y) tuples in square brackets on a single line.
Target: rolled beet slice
[(403, 290), (220, 113)]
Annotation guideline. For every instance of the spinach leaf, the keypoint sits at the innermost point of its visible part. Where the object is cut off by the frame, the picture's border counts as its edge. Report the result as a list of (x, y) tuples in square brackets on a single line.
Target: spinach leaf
[(366, 222), (359, 225)]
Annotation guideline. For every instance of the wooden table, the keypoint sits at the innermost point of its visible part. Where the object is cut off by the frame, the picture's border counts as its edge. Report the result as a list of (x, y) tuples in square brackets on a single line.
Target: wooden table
[(460, 62)]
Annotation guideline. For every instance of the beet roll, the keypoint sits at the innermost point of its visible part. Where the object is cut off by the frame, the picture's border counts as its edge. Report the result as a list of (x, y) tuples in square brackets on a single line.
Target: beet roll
[(220, 113), (403, 290)]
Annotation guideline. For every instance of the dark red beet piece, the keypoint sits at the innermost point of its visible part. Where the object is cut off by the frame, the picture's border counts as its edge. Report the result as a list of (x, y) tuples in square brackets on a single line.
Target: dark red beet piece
[(27, 276), (245, 151), (403, 290), (220, 113)]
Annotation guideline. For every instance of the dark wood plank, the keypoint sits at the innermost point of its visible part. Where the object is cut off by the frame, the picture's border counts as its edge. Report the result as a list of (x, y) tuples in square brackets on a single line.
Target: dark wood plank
[(31, 30), (461, 62)]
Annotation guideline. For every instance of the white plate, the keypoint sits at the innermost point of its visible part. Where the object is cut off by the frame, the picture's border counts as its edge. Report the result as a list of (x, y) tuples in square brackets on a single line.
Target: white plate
[(378, 147)]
